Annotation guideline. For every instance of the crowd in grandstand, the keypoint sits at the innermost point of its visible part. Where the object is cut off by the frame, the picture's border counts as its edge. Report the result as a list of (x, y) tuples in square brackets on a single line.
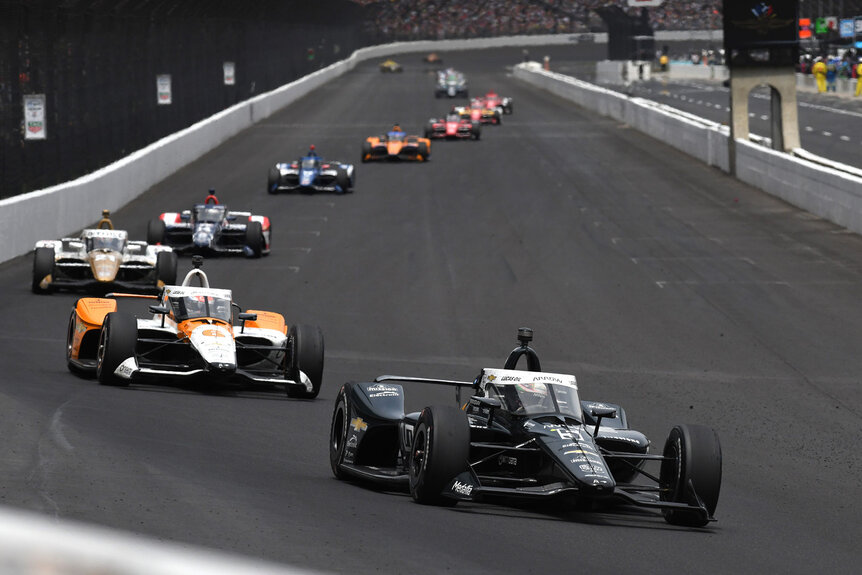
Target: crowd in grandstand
[(437, 19)]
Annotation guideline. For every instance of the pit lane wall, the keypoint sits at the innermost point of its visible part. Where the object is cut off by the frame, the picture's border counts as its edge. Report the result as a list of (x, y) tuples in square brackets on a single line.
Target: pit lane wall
[(827, 189)]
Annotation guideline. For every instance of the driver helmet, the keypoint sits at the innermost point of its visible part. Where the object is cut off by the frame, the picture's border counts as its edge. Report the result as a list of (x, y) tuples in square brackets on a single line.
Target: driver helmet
[(222, 308), (195, 305), (534, 394)]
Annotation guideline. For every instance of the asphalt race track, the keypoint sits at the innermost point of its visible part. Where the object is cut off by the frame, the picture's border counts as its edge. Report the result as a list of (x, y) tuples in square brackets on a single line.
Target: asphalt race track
[(663, 284)]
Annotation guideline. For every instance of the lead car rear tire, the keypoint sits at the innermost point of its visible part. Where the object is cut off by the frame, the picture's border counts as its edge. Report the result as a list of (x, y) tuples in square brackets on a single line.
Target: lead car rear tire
[(693, 457), (305, 353), (117, 342), (441, 444)]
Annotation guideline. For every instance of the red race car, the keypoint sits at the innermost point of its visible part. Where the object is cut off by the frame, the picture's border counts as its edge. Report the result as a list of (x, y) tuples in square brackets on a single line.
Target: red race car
[(453, 127), (496, 102)]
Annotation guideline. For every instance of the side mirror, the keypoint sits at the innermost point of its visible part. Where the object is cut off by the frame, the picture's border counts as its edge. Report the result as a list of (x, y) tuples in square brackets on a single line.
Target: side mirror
[(230, 217), (601, 413), (243, 317), (489, 402), (492, 403), (186, 216), (160, 309)]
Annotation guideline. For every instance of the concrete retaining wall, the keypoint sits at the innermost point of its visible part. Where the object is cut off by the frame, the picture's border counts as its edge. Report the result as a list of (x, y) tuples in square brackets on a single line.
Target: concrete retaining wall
[(824, 188)]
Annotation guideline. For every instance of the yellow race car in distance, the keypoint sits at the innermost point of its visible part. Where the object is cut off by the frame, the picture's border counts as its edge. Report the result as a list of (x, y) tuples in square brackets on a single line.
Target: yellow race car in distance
[(390, 66)]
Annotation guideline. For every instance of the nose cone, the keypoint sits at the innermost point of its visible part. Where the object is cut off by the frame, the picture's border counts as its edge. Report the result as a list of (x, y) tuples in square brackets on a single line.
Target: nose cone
[(393, 148), (203, 236), (105, 265), (216, 346)]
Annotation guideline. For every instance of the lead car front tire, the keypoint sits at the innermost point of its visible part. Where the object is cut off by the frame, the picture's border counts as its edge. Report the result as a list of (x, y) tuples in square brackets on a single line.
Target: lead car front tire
[(441, 444), (691, 472), (338, 432), (117, 342)]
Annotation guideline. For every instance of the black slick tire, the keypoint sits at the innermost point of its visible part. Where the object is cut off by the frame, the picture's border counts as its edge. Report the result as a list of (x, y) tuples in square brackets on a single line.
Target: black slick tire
[(43, 266), (693, 461), (342, 180), (254, 238), (339, 431), (117, 341), (166, 268), (272, 181), (305, 353), (441, 444), (155, 232)]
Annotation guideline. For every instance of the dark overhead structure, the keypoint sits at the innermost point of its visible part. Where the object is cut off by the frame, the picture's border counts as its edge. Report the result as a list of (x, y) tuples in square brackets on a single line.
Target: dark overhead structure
[(629, 37)]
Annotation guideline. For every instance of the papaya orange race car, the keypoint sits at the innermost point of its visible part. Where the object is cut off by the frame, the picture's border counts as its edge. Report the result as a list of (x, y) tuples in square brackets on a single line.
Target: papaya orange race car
[(396, 145), (195, 333)]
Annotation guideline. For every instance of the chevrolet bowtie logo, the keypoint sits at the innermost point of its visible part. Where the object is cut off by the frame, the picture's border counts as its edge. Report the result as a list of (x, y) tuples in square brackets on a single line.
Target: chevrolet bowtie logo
[(357, 424)]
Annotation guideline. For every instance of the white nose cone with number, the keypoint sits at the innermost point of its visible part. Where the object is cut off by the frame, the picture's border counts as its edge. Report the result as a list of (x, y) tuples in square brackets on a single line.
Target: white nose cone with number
[(216, 346)]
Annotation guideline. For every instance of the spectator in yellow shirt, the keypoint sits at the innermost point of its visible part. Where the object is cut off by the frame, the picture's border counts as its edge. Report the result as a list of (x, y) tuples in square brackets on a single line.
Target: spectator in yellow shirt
[(819, 71)]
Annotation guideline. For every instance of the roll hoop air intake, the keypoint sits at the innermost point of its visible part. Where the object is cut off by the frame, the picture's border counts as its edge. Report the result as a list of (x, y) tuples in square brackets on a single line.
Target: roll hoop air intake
[(525, 336)]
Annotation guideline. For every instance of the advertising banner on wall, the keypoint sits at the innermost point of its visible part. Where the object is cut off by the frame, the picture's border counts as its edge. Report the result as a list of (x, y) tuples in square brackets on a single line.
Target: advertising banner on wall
[(229, 74), (34, 117), (163, 89)]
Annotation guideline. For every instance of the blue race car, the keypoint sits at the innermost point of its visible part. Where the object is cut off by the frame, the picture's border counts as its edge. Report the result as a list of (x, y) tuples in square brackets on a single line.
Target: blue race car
[(311, 173)]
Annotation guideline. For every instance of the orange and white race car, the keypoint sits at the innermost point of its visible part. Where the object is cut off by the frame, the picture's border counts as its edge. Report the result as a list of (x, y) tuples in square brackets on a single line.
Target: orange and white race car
[(396, 145), (195, 332)]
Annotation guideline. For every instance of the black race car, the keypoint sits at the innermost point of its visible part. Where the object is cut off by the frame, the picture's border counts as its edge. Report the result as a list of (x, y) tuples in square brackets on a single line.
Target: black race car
[(521, 434)]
